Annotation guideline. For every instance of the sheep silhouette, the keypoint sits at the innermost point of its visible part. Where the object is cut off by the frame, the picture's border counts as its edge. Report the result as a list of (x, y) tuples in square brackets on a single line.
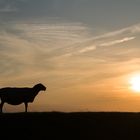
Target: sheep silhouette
[(16, 96)]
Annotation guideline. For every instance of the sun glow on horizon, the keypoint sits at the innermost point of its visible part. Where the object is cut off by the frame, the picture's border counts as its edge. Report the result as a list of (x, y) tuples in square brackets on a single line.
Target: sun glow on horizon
[(135, 83)]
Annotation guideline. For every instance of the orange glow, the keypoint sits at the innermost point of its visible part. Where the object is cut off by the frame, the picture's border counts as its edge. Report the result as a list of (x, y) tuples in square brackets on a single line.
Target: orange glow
[(135, 83)]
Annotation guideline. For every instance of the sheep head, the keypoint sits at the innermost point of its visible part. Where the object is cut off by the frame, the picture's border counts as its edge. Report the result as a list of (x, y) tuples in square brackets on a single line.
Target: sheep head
[(40, 87)]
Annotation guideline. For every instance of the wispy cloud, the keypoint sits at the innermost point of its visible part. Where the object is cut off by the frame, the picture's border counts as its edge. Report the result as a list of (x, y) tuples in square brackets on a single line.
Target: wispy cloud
[(114, 42), (90, 48), (126, 34), (124, 31), (39, 43), (105, 44), (46, 44)]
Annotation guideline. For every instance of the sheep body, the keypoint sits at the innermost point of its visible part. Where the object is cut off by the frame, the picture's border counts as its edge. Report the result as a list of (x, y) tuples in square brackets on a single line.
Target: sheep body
[(16, 96)]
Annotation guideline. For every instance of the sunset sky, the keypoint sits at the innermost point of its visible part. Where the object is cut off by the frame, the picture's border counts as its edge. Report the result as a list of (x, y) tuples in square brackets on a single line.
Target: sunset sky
[(85, 51)]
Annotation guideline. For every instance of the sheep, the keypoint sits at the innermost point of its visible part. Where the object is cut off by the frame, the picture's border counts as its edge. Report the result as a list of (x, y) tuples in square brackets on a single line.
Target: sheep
[(16, 96)]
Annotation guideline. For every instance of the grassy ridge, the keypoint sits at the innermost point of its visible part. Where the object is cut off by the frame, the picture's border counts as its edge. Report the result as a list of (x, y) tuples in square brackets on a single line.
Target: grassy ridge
[(57, 125)]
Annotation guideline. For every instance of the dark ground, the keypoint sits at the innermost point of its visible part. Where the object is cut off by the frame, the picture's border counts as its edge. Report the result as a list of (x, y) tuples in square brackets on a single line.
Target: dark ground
[(56, 125)]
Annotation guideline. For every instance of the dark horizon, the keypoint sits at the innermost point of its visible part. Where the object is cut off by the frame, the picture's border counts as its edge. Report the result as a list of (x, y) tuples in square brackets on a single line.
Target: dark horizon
[(58, 125)]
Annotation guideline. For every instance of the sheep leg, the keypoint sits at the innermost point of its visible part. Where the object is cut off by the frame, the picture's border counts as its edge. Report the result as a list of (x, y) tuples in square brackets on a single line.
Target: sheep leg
[(1, 106), (26, 106)]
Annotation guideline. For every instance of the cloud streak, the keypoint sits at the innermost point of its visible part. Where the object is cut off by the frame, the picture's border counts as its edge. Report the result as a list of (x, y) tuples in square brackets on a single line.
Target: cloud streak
[(106, 44), (124, 31), (126, 34), (114, 42), (91, 48)]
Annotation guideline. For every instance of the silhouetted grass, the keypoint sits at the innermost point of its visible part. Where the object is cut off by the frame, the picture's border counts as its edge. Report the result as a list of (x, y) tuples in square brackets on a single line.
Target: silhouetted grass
[(58, 125)]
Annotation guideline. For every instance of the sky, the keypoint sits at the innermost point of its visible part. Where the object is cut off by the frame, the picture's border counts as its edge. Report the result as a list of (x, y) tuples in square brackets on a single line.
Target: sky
[(84, 51)]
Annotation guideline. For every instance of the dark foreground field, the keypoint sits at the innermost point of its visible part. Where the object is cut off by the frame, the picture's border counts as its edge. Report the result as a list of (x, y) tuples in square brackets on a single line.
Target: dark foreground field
[(56, 125)]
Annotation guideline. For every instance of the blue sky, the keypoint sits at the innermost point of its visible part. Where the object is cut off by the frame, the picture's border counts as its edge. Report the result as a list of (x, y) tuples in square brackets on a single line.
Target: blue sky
[(83, 50), (96, 13)]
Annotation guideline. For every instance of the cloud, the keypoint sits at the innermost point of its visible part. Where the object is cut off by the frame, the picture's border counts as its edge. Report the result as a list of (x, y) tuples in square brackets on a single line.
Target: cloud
[(105, 44), (126, 34), (35, 46), (89, 43), (124, 31), (87, 49), (114, 42)]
